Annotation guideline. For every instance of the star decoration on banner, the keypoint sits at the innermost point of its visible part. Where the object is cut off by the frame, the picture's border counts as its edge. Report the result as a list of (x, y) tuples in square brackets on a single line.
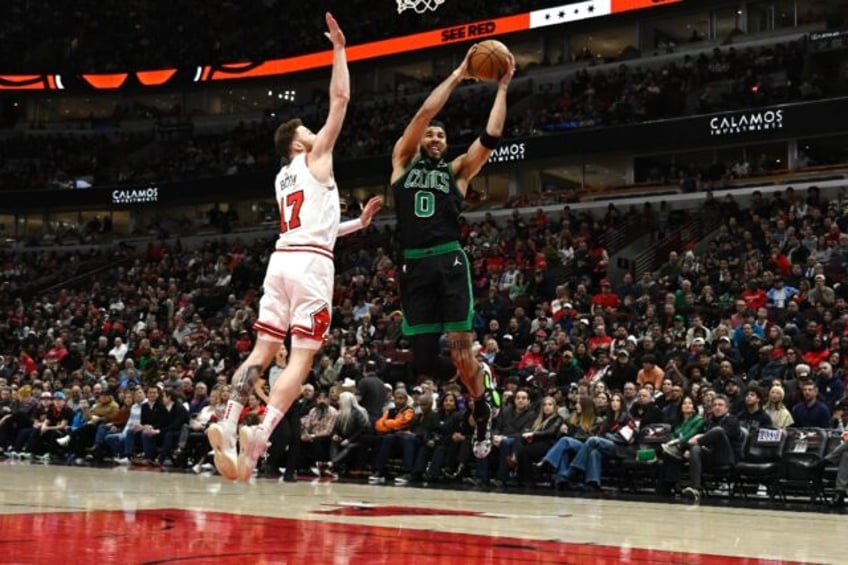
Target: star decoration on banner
[(567, 13)]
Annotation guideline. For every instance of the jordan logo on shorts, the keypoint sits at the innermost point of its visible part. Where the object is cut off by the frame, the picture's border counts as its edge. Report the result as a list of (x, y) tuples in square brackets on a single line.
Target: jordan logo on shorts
[(457, 262)]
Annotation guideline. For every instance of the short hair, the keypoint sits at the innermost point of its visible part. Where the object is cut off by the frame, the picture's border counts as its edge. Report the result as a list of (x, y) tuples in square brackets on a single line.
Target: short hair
[(284, 136), (437, 124)]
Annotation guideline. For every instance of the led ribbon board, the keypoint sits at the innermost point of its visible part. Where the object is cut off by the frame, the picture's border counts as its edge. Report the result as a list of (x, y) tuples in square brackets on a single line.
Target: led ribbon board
[(474, 31)]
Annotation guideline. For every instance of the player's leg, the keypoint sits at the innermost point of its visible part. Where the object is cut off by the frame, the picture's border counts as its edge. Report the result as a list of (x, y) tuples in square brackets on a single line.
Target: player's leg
[(222, 435), (310, 295), (271, 327), (253, 440), (457, 312)]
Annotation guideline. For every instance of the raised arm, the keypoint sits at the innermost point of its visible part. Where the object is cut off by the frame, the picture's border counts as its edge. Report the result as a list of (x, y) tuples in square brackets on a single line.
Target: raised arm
[(467, 165), (364, 220), (407, 146), (321, 155)]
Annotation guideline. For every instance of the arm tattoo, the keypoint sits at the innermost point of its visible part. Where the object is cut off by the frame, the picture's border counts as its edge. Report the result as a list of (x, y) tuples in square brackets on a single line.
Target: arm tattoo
[(243, 381), (459, 343)]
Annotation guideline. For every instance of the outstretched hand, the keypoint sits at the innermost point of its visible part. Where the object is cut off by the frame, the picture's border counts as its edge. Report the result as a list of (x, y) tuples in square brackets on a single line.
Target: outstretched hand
[(334, 32), (371, 207)]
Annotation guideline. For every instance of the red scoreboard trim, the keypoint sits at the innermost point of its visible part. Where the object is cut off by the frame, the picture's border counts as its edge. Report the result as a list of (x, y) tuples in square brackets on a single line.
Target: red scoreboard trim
[(566, 13)]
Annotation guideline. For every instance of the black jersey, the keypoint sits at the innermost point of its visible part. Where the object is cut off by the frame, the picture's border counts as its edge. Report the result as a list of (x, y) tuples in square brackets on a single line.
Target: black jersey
[(428, 204)]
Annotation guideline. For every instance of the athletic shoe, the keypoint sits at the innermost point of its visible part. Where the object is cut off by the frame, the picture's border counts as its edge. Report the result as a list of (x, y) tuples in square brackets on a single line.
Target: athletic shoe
[(251, 447), (44, 458), (224, 446), (315, 470), (25, 455), (376, 480), (482, 444), (123, 461), (693, 494), (64, 441)]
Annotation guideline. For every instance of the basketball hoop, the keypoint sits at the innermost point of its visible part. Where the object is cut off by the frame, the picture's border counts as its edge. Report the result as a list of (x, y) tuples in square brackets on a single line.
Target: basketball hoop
[(420, 6)]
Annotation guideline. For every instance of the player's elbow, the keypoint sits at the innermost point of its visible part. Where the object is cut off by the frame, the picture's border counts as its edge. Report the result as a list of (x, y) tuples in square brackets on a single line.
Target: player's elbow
[(341, 98)]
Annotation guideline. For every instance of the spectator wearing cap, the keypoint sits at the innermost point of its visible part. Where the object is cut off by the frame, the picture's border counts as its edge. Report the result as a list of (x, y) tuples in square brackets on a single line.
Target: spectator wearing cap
[(726, 351), (570, 371), (605, 299), (830, 386), (622, 370), (533, 357), (507, 357), (57, 417), (650, 372), (752, 416), (392, 427), (733, 388), (542, 321), (821, 294), (780, 294), (810, 412)]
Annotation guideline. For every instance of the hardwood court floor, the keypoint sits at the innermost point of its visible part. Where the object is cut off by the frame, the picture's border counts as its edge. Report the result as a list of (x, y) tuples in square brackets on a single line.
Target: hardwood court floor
[(57, 514)]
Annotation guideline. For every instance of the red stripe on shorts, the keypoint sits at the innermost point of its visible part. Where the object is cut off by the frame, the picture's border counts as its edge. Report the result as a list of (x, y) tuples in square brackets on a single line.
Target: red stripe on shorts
[(317, 249), (273, 331)]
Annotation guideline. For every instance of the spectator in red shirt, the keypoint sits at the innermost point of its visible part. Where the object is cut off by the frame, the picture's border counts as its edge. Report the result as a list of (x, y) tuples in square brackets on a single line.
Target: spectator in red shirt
[(600, 340), (754, 296), (605, 299)]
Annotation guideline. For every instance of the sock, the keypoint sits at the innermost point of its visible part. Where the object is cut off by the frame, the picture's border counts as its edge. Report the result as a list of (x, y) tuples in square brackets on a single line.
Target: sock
[(270, 421), (481, 408), (231, 416)]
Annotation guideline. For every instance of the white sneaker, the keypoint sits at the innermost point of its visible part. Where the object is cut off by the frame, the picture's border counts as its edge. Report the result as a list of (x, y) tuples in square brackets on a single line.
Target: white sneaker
[(482, 446), (224, 446), (64, 441), (251, 448), (25, 455), (123, 461), (43, 458), (196, 469), (376, 480)]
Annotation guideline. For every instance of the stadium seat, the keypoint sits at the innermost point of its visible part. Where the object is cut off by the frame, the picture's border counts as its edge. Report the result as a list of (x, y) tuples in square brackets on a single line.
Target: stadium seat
[(805, 447), (761, 459)]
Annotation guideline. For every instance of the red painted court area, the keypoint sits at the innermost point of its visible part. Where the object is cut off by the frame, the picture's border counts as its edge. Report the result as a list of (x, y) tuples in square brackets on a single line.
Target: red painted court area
[(177, 536)]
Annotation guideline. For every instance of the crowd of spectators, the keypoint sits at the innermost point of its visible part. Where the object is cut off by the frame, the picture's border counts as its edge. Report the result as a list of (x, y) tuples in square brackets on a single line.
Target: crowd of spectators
[(91, 36), (726, 79), (751, 323)]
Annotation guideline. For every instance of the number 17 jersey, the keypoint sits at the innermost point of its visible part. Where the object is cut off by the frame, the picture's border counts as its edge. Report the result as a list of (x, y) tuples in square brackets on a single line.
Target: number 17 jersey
[(309, 210)]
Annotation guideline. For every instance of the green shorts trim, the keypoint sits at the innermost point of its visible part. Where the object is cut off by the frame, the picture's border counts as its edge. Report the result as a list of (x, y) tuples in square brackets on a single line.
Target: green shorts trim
[(440, 249)]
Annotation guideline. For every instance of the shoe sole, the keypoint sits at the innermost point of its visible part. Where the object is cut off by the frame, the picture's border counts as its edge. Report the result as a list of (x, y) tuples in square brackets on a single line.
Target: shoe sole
[(246, 463), (225, 465)]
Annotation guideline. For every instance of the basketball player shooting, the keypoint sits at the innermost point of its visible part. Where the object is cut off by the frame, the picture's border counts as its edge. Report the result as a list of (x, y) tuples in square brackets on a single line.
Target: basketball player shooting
[(435, 281), (298, 286)]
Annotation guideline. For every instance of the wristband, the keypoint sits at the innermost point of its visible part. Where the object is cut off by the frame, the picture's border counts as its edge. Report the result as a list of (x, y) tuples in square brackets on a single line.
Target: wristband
[(489, 141)]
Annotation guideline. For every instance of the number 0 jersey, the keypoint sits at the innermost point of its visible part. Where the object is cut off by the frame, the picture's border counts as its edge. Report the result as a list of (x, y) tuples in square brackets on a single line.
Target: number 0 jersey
[(309, 210), (428, 204)]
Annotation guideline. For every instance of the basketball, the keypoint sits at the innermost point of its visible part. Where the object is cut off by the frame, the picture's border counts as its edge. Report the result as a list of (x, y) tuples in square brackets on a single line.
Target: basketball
[(490, 61)]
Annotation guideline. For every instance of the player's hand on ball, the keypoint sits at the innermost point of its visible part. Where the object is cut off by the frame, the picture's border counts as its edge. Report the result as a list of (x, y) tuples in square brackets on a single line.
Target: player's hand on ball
[(464, 68), (510, 70), (334, 33), (372, 207)]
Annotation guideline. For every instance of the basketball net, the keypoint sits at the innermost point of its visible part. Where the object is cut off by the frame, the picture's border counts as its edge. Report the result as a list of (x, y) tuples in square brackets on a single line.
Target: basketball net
[(420, 6)]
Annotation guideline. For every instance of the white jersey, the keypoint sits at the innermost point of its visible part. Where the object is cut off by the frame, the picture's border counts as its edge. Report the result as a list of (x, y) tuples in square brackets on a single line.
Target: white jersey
[(309, 210)]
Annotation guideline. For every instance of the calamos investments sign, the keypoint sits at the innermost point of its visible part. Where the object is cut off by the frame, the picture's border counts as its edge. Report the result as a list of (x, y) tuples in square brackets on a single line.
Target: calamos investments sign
[(746, 122)]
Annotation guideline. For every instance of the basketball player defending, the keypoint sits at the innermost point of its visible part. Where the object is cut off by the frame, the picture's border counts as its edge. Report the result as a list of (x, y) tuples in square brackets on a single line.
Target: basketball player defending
[(435, 281), (298, 284)]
